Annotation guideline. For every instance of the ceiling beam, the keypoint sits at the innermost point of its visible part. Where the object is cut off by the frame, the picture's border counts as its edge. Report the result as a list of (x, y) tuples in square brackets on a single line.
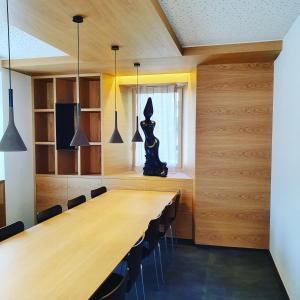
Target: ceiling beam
[(222, 54), (234, 48)]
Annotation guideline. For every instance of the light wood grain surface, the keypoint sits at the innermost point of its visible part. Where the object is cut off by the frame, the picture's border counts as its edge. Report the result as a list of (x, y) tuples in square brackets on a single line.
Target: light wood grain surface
[(70, 255), (233, 149)]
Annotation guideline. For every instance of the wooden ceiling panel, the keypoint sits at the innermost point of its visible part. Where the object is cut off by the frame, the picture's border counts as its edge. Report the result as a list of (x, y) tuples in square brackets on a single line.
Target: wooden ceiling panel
[(138, 26)]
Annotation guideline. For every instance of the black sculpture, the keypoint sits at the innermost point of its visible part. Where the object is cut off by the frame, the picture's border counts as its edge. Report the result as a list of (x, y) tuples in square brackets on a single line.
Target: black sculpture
[(153, 165)]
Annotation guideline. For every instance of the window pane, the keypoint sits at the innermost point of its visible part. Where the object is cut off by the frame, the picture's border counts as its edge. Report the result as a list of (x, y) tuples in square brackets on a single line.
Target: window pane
[(166, 112)]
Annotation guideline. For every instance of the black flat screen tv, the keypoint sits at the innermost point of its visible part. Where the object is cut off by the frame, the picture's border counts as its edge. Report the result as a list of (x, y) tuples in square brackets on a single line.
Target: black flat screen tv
[(65, 125)]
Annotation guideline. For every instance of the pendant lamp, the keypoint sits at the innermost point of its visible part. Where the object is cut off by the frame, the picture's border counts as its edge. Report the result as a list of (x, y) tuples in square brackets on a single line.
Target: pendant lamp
[(79, 138), (116, 137), (137, 137), (11, 140)]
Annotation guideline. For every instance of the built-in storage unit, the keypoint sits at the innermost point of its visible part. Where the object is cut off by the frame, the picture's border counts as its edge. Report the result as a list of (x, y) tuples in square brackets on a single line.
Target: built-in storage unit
[(63, 89)]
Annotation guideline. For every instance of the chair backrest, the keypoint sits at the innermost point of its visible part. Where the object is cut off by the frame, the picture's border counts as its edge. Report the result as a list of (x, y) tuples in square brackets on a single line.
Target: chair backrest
[(134, 258), (76, 201), (11, 230), (166, 216), (98, 192), (152, 235), (119, 292), (175, 206), (114, 288), (48, 213)]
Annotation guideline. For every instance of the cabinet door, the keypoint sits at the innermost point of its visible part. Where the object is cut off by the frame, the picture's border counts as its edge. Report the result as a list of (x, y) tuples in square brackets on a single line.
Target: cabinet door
[(51, 191)]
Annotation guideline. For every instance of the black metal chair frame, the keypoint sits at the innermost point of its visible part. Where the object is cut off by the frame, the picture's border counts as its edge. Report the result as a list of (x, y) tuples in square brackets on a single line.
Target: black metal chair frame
[(76, 201), (99, 191), (48, 213), (11, 230)]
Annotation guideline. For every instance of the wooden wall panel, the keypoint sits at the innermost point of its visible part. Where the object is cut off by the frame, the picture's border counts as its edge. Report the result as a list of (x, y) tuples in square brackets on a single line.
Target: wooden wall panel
[(233, 146), (2, 204)]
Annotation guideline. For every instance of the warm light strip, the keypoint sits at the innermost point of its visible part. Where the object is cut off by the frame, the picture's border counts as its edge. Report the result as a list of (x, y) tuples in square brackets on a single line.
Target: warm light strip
[(155, 79)]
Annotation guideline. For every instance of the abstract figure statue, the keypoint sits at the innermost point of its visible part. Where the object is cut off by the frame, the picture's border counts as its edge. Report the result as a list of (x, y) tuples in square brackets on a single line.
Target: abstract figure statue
[(153, 165)]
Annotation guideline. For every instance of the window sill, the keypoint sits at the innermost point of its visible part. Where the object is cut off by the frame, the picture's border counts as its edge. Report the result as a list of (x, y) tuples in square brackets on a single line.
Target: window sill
[(138, 176)]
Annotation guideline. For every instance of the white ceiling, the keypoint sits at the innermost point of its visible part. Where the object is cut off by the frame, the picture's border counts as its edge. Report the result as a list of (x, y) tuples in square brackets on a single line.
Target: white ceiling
[(214, 22), (24, 45)]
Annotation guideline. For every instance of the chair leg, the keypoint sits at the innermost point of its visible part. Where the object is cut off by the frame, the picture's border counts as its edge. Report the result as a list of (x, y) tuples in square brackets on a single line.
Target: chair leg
[(136, 291), (161, 268), (142, 277), (175, 234), (155, 264), (172, 238), (166, 245)]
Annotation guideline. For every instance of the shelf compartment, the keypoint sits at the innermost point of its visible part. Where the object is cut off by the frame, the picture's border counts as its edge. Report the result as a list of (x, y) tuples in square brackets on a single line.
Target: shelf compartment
[(91, 124), (66, 90), (90, 158), (44, 159), (44, 126), (43, 93), (67, 162), (90, 92)]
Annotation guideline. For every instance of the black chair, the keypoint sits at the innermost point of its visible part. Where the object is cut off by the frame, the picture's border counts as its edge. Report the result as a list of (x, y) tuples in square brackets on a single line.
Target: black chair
[(98, 192), (76, 201), (174, 211), (165, 224), (11, 230), (113, 288), (135, 267), (151, 241), (48, 213)]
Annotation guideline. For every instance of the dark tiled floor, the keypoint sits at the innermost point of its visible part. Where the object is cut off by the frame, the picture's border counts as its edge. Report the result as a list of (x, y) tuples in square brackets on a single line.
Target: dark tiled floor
[(213, 273)]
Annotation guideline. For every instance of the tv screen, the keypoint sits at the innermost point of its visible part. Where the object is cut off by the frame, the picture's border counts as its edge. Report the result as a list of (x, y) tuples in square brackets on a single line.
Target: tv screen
[(65, 125)]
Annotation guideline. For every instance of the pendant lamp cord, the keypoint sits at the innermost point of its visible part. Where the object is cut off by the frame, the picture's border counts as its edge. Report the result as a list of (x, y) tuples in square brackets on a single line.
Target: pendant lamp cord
[(137, 85), (78, 51), (115, 80), (8, 40)]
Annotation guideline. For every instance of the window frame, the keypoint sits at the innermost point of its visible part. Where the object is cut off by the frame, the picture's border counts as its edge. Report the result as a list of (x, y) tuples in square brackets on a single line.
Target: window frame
[(180, 91)]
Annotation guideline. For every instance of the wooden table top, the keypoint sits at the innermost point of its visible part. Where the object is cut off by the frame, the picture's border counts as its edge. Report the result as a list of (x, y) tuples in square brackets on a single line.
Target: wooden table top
[(70, 255)]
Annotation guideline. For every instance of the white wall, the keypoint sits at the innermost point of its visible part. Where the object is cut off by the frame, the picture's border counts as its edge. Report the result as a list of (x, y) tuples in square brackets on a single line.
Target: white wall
[(285, 186), (19, 183), (2, 175)]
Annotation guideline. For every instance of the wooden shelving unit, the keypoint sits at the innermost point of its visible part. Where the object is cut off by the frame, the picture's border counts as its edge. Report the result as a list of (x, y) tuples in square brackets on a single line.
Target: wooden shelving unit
[(44, 126), (44, 157), (63, 89), (90, 160)]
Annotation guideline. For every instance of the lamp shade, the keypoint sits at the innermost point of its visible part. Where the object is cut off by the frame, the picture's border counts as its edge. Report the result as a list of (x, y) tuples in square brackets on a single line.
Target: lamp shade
[(137, 137), (11, 140), (116, 137), (79, 138)]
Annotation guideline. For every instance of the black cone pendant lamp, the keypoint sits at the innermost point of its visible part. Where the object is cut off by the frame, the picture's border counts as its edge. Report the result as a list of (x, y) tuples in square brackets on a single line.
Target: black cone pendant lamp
[(137, 137), (11, 140), (79, 138), (116, 137)]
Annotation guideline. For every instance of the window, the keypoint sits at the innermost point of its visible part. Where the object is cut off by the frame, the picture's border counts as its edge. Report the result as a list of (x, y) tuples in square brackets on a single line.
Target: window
[(167, 107)]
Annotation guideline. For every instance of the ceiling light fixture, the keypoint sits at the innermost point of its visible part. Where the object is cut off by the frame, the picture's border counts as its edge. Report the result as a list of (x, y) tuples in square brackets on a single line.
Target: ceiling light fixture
[(116, 137), (79, 138), (137, 137), (11, 140)]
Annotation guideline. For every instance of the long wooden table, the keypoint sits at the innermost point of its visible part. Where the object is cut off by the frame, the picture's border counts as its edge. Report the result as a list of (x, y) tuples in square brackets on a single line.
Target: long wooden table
[(70, 255)]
